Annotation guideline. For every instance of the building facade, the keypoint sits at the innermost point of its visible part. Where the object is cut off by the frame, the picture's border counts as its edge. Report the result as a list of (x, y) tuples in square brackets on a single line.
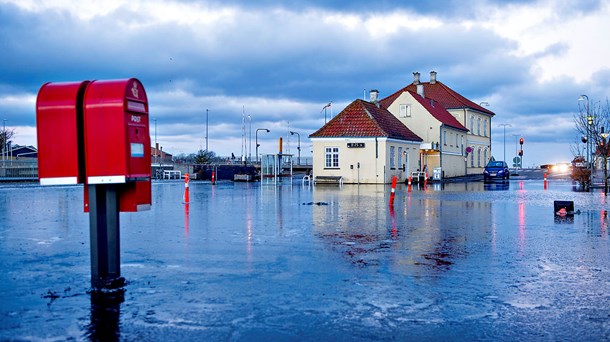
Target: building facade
[(444, 138), (474, 117), (365, 143)]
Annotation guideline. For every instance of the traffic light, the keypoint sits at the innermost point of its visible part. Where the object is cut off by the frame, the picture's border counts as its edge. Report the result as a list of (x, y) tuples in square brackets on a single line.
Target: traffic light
[(521, 141), (520, 153)]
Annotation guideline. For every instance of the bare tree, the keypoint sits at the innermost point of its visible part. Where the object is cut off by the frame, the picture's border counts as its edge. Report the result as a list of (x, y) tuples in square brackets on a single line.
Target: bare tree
[(5, 138), (592, 125)]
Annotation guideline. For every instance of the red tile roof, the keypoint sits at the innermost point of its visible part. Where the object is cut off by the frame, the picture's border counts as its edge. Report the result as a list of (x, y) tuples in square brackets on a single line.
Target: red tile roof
[(439, 92), (438, 111), (364, 119)]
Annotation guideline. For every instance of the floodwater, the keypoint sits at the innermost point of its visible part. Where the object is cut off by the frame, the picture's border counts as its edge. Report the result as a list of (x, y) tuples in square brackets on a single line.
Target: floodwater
[(252, 261)]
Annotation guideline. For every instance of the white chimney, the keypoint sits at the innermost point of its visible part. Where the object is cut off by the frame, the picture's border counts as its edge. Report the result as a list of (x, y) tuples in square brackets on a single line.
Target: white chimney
[(432, 77), (374, 95), (416, 77), (420, 89)]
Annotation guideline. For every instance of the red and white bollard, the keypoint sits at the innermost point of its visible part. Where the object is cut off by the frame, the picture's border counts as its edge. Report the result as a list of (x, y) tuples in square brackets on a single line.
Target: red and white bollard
[(409, 183), (186, 197), (213, 177), (545, 181), (393, 191)]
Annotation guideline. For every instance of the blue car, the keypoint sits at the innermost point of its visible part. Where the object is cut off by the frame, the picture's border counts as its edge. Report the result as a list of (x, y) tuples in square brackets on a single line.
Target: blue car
[(496, 169)]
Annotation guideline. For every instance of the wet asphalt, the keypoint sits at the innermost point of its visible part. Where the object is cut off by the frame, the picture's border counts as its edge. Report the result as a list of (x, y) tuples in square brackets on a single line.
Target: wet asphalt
[(264, 261)]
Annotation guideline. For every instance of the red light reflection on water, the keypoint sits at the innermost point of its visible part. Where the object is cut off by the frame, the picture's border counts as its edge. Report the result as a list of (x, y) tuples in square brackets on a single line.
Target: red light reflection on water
[(521, 208)]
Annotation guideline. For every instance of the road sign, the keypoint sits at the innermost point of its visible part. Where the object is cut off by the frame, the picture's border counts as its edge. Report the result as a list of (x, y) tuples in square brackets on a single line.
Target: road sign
[(517, 160)]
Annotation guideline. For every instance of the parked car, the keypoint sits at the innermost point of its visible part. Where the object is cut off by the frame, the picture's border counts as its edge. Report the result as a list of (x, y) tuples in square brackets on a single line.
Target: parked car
[(496, 169)]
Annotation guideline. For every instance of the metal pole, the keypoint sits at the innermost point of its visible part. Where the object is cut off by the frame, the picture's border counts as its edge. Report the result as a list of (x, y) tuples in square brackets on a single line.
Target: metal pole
[(257, 144), (589, 149), (298, 146), (4, 139), (504, 126), (155, 161), (250, 138), (206, 130)]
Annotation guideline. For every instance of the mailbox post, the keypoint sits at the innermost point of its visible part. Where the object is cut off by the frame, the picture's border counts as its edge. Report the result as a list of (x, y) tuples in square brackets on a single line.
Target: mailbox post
[(97, 134)]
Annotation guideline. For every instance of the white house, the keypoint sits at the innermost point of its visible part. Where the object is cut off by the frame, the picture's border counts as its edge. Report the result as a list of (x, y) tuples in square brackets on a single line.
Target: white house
[(471, 116), (365, 143)]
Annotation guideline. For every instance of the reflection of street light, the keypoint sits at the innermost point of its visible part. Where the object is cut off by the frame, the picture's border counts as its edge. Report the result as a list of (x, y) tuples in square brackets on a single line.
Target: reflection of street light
[(256, 136), (298, 146), (504, 125)]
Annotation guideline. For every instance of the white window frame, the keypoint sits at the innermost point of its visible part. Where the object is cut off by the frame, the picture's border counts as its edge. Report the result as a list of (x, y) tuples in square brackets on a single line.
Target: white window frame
[(405, 111), (392, 158), (400, 157), (331, 157)]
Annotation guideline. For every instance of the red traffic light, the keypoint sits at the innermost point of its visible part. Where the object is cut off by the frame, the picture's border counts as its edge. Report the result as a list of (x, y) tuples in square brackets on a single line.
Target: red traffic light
[(521, 141), (520, 153)]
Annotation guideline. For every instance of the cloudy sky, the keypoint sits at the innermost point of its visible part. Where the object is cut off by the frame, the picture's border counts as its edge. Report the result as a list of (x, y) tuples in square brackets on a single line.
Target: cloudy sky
[(281, 62)]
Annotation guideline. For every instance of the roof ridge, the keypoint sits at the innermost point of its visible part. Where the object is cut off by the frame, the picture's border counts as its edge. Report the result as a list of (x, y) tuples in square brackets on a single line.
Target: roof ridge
[(372, 117)]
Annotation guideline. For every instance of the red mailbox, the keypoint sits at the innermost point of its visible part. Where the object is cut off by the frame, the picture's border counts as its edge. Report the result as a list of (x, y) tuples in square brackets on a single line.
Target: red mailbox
[(59, 122), (117, 140), (97, 133)]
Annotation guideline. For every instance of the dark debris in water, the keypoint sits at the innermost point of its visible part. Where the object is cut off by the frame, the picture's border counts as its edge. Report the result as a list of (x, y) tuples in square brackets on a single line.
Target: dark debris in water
[(316, 203)]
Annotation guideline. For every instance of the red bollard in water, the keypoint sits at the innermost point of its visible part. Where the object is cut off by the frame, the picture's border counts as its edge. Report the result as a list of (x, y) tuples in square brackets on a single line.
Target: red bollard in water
[(545, 181), (213, 177), (393, 191), (186, 197), (409, 184)]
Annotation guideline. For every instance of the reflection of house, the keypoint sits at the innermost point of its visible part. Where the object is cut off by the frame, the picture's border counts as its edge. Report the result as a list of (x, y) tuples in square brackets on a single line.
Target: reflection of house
[(365, 143), (22, 152), (452, 148)]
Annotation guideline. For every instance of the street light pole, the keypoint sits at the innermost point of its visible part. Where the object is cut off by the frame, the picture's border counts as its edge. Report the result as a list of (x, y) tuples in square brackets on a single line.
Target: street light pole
[(4, 140), (516, 151), (256, 136), (250, 138), (504, 126), (206, 130), (298, 146), (588, 123)]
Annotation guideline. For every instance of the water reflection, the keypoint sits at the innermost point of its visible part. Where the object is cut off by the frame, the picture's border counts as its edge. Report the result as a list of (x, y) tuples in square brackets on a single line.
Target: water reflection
[(105, 314), (423, 232), (496, 186)]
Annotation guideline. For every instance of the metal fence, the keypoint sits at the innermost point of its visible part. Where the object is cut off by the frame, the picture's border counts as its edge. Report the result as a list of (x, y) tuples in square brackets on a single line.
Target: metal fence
[(18, 170)]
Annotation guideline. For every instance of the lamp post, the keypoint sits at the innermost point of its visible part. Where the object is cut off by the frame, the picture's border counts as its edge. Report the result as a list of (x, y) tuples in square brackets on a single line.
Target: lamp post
[(504, 126), (603, 150), (250, 138), (4, 139), (256, 136), (206, 130), (589, 123), (298, 146)]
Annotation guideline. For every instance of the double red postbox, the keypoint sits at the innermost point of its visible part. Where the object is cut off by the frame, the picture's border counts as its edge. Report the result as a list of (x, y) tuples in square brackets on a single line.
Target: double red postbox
[(96, 133)]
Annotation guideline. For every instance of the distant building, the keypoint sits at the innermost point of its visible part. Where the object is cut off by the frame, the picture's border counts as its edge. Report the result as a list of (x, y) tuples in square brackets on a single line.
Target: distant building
[(469, 129), (365, 143), (160, 157), (18, 152)]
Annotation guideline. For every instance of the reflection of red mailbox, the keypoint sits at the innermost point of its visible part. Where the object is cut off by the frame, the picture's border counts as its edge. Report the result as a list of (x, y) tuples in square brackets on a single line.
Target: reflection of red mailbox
[(59, 115), (117, 140)]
